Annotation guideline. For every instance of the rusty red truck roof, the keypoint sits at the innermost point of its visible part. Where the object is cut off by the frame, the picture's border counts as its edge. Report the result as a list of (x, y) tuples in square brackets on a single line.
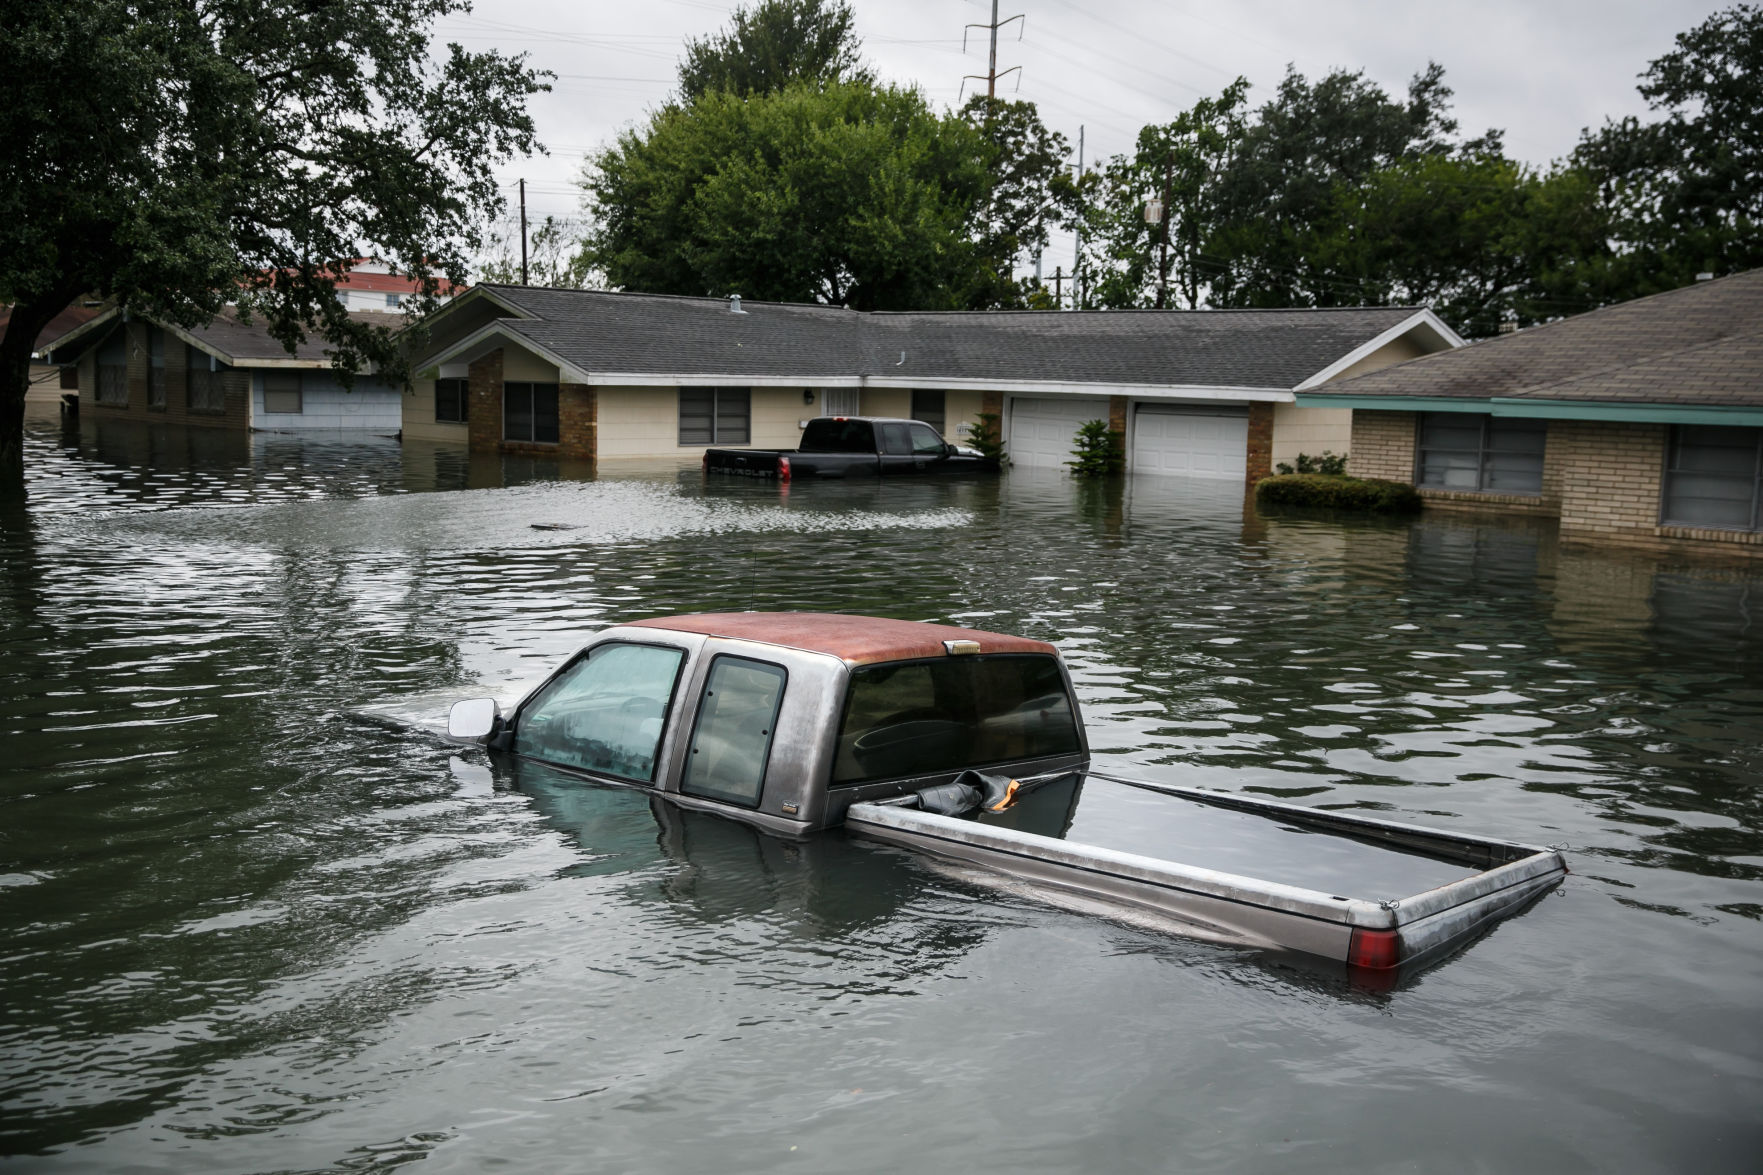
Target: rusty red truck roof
[(859, 640)]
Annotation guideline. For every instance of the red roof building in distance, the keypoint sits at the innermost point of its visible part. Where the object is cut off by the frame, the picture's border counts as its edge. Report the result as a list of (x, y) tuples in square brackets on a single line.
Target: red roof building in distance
[(371, 285)]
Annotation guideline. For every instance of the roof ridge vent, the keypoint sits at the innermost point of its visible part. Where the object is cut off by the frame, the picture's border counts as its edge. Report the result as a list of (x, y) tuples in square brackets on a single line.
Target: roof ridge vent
[(734, 304)]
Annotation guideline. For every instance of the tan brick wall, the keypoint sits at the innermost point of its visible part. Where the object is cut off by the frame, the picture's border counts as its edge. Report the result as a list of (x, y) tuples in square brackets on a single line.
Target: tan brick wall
[(235, 381), (1312, 431), (1382, 445), (1609, 477)]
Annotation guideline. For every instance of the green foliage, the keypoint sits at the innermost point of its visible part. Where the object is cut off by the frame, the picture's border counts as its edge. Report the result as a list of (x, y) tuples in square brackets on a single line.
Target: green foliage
[(1276, 197), (552, 257), (1100, 452), (1371, 495), (987, 437), (1332, 464), (1029, 193), (773, 44), (850, 194), (1685, 193), (1127, 260), (179, 154)]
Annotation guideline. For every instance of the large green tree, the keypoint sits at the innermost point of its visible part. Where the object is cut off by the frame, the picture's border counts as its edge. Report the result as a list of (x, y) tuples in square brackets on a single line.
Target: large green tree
[(1685, 192), (1134, 261), (772, 44), (1474, 235), (177, 155), (848, 193), (1029, 193), (1278, 192)]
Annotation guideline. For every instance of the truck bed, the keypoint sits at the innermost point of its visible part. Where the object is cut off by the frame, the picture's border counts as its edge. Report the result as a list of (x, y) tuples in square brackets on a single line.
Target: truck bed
[(1372, 894)]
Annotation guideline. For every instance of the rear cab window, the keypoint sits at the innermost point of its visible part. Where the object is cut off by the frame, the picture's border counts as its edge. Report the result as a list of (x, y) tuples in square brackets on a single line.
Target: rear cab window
[(605, 712), (950, 713), (732, 737), (832, 435)]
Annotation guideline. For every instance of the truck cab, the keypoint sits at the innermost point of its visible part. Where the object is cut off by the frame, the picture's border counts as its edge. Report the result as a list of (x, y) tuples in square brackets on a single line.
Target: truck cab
[(786, 720)]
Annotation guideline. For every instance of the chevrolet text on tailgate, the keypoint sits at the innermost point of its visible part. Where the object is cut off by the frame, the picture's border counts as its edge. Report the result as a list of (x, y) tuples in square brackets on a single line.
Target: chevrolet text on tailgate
[(853, 446), (970, 746)]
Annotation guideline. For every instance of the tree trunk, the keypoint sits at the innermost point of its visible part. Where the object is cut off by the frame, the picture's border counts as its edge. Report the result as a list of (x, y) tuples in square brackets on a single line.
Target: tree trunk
[(28, 320)]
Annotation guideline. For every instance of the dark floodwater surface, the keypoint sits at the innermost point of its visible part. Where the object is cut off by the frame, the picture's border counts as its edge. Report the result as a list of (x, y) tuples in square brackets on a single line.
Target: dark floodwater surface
[(244, 934)]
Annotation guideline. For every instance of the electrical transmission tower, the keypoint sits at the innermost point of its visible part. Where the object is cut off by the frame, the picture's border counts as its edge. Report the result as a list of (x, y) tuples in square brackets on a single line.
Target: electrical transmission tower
[(991, 75)]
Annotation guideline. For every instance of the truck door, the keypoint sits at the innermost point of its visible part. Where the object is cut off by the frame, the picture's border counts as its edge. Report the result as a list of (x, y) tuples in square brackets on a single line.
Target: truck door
[(928, 450), (896, 447)]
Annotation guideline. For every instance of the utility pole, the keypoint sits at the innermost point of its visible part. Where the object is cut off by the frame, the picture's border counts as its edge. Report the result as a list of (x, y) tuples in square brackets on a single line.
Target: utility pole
[(1077, 252), (1058, 289), (991, 76), (523, 230), (1161, 219)]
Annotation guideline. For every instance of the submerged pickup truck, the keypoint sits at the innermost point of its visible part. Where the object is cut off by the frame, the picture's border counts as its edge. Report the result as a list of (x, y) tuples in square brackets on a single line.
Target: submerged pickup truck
[(853, 446), (969, 746)]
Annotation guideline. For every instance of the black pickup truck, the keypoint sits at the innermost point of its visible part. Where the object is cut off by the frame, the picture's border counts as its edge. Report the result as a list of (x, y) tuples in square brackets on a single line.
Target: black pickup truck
[(853, 446)]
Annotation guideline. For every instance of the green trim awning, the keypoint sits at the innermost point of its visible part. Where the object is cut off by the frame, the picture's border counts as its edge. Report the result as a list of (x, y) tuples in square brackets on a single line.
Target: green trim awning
[(1745, 415)]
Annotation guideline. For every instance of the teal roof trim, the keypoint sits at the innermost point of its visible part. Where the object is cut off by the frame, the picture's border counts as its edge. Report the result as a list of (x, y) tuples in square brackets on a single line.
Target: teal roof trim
[(1750, 416)]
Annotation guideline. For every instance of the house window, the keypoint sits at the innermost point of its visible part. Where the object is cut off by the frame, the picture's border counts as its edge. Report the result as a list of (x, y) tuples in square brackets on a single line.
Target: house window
[(453, 399), (838, 402), (928, 407), (281, 393), (529, 413), (113, 371), (155, 368), (205, 394), (1473, 451), (1714, 478), (715, 416), (394, 301)]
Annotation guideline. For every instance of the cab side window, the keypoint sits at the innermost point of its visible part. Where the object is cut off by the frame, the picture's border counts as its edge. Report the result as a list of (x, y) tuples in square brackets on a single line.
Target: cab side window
[(605, 712), (896, 440), (731, 743), (925, 441)]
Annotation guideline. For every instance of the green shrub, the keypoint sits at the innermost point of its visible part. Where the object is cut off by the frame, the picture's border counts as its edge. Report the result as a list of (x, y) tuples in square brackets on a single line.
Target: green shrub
[(1332, 464), (1099, 452), (1369, 494), (984, 437)]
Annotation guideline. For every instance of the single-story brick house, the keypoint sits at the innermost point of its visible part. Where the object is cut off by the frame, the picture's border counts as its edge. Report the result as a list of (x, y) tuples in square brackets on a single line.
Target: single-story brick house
[(599, 375), (1638, 423), (47, 380), (225, 374)]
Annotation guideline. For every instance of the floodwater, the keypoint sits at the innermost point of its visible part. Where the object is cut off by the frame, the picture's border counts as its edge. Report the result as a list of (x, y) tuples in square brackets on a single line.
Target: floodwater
[(242, 933)]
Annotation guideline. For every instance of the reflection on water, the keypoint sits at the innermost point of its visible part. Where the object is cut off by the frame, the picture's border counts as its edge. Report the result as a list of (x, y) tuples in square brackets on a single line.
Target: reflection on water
[(242, 934)]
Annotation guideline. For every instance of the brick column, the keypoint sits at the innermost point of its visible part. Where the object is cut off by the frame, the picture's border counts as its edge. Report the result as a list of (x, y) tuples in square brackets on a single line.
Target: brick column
[(135, 340), (992, 402), (578, 421), (1260, 441), (485, 414)]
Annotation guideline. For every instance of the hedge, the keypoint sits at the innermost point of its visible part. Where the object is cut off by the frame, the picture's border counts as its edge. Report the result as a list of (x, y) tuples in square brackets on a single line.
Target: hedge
[(1369, 494)]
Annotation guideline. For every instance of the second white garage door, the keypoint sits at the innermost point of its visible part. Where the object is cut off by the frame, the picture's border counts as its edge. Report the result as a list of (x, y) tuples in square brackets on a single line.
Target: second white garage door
[(1199, 441), (1043, 431)]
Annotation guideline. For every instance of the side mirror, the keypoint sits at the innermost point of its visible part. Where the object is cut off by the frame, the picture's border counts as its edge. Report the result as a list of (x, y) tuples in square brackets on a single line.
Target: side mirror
[(950, 450), (474, 719)]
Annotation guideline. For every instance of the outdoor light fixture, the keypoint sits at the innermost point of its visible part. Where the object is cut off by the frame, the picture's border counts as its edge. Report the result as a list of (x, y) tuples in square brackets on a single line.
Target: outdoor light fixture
[(807, 395)]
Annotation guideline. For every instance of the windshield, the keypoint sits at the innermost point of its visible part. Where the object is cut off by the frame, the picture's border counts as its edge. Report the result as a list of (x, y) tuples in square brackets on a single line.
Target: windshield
[(604, 713), (926, 717)]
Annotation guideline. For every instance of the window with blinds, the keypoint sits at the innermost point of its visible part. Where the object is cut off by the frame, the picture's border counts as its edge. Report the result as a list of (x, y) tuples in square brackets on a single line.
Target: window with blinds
[(1714, 478), (282, 393), (715, 416), (1473, 451)]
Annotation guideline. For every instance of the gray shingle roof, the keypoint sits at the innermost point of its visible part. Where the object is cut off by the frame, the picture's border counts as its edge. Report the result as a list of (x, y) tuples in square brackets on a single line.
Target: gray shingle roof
[(239, 343), (1702, 344), (602, 332)]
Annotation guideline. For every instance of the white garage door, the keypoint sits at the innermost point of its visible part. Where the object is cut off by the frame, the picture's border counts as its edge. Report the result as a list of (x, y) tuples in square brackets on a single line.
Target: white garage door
[(1198, 441), (1043, 431)]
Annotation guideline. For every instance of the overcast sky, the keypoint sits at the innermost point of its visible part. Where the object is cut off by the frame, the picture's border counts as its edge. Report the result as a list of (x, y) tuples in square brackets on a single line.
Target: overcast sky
[(1540, 70)]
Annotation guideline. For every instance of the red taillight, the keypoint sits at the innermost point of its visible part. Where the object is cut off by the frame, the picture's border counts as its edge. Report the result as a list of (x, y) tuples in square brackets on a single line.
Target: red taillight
[(783, 469), (1378, 950), (706, 461)]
